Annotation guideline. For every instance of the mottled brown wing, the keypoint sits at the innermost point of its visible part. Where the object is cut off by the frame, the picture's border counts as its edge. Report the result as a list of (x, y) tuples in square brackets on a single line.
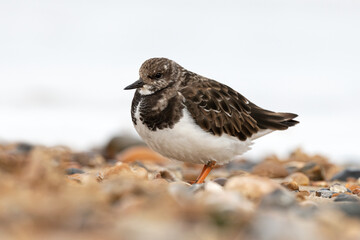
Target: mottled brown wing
[(219, 109)]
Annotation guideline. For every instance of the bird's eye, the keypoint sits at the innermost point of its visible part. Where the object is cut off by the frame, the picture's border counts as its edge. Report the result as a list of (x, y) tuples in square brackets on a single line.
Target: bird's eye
[(157, 75)]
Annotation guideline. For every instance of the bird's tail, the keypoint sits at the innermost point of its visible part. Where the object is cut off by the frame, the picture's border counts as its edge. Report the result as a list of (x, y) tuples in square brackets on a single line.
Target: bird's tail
[(272, 120)]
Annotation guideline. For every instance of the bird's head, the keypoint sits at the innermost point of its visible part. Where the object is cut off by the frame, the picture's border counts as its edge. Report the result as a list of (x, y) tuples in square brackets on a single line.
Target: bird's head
[(155, 75)]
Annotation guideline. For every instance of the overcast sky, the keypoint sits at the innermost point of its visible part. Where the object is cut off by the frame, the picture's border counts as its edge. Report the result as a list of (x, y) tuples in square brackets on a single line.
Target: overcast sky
[(64, 64)]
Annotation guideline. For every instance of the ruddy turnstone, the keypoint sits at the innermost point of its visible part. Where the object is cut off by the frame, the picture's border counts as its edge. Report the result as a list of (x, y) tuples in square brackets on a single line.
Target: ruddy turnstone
[(191, 118)]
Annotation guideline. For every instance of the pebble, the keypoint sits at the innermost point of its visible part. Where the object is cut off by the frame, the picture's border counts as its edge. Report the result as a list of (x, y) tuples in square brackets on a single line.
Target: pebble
[(270, 169), (220, 181), (76, 177), (346, 198), (159, 181), (140, 172), (354, 188), (294, 166), (70, 171), (279, 199), (313, 171), (308, 203), (117, 170), (240, 165), (350, 208), (337, 194), (197, 187), (181, 192), (251, 187), (213, 187), (323, 184), (347, 173), (298, 177), (293, 186), (165, 175), (90, 159), (324, 193), (141, 154), (338, 188), (118, 144), (24, 147), (226, 202), (302, 195)]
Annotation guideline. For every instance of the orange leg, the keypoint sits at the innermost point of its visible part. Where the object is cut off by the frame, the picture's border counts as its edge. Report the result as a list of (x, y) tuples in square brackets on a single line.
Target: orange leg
[(202, 172), (205, 171)]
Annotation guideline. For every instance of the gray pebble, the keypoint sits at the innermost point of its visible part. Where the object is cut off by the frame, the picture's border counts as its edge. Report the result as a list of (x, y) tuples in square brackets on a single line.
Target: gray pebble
[(220, 181), (350, 208), (346, 198), (70, 171), (324, 193), (278, 198), (347, 173)]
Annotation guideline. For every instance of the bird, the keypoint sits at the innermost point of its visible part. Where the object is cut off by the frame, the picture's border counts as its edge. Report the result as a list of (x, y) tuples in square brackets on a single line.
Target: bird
[(187, 117)]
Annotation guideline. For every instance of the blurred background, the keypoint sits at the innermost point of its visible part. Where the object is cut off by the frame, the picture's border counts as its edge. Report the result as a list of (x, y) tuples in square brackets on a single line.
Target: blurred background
[(64, 64)]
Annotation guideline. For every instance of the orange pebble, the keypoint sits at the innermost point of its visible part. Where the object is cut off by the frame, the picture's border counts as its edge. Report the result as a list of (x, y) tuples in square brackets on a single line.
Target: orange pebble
[(142, 154), (354, 188), (116, 170), (337, 194), (76, 177)]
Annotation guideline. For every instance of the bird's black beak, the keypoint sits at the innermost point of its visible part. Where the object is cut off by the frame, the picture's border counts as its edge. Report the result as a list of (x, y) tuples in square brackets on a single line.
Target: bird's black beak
[(139, 83)]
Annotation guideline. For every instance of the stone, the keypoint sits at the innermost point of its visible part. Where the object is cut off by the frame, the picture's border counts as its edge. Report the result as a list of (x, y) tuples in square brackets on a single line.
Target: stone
[(323, 184), (165, 174), (270, 169), (213, 187), (330, 170), (160, 181), (337, 194), (197, 187), (294, 166), (220, 181), (300, 178), (140, 172), (302, 195), (347, 173), (240, 165), (141, 154), (324, 193), (70, 171), (72, 164), (118, 144), (313, 171), (90, 159), (354, 188), (338, 188), (77, 177), (120, 169), (251, 187), (181, 192), (351, 208), (24, 147), (220, 201), (308, 203), (278, 199), (293, 186), (12, 160), (346, 198)]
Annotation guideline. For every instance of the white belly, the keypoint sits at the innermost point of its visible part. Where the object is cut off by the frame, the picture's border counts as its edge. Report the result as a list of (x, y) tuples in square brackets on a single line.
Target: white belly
[(187, 142)]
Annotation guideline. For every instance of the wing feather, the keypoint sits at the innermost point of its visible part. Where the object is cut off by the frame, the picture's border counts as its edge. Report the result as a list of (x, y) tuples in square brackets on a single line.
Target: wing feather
[(219, 109)]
